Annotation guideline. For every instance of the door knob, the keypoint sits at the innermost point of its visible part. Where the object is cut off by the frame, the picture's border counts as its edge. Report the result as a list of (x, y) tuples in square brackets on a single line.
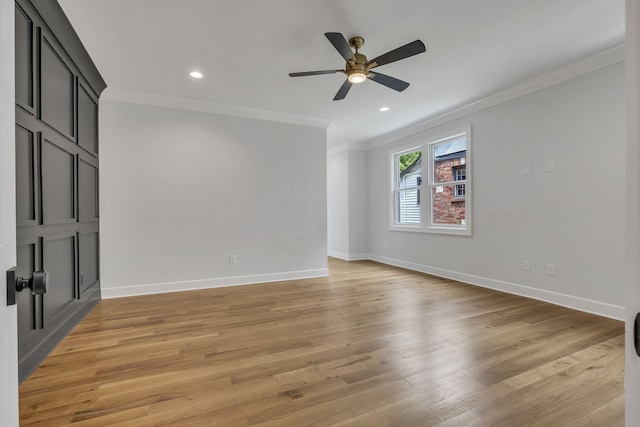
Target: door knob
[(636, 334), (37, 283)]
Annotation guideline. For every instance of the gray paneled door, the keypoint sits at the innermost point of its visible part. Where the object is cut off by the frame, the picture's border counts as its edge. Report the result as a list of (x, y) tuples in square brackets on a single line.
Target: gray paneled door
[(56, 188)]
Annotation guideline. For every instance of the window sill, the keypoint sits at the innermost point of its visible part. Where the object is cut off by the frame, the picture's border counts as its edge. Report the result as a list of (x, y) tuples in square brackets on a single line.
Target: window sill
[(435, 229)]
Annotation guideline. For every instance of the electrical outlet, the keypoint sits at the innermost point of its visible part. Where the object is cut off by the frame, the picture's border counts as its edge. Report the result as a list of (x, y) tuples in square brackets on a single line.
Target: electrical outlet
[(526, 169), (551, 269), (526, 265), (233, 259), (551, 165)]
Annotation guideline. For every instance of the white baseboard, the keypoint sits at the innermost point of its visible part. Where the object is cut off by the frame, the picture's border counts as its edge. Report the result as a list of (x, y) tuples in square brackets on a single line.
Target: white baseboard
[(348, 257), (577, 303), (590, 306), (339, 255), (190, 285)]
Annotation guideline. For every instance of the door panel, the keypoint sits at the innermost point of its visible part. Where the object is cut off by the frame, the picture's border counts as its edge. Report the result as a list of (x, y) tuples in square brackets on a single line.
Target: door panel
[(26, 200), (56, 86), (58, 172), (59, 259), (87, 121), (24, 59), (88, 260), (87, 191)]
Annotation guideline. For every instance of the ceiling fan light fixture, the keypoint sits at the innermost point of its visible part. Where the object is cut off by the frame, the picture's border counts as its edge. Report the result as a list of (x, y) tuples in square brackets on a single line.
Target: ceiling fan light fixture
[(357, 77)]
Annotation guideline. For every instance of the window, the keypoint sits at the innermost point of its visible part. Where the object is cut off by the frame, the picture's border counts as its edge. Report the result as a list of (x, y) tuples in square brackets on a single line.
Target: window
[(459, 174), (408, 182), (444, 163)]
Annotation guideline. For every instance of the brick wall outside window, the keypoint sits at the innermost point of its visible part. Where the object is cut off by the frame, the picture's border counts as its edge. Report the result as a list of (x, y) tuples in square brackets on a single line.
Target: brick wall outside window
[(446, 208)]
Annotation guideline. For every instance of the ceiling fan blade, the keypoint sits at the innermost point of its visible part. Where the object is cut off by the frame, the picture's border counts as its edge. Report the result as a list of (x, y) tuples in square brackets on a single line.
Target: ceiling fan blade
[(340, 43), (313, 73), (388, 81), (402, 52), (344, 89)]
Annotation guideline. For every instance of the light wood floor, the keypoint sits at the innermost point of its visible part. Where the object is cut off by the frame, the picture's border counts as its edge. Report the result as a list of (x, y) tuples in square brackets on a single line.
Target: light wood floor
[(371, 346)]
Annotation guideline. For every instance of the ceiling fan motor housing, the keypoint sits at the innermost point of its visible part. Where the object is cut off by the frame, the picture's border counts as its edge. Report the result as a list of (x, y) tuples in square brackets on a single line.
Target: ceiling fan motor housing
[(356, 69), (358, 62)]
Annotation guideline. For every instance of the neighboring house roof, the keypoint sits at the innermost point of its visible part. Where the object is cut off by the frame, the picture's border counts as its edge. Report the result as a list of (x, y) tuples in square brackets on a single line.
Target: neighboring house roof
[(451, 147), (457, 155), (455, 149)]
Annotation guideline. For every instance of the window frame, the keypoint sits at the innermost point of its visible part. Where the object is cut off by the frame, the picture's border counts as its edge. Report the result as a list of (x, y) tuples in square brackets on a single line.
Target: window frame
[(426, 190)]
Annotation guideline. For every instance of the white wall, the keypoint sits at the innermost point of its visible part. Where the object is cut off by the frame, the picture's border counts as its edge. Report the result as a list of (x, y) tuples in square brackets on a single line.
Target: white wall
[(358, 204), (347, 204), (182, 190), (338, 204), (8, 316), (573, 218)]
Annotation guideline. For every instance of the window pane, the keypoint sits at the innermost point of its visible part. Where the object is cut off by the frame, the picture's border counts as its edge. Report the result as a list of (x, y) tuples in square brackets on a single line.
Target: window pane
[(449, 158), (447, 208), (409, 206), (410, 169)]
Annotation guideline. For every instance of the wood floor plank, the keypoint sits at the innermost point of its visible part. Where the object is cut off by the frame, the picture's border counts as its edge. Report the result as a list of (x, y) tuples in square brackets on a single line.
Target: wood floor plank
[(371, 345)]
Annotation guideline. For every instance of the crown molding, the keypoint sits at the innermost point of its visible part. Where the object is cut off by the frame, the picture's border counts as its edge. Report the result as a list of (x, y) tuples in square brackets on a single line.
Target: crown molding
[(592, 63), (336, 149), (116, 94), (595, 62)]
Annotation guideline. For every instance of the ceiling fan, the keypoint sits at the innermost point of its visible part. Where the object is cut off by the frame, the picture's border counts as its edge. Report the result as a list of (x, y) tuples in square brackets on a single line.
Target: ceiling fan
[(358, 69)]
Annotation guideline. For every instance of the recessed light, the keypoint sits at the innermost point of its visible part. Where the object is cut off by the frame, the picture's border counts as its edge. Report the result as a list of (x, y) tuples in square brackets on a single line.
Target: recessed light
[(196, 74), (383, 109)]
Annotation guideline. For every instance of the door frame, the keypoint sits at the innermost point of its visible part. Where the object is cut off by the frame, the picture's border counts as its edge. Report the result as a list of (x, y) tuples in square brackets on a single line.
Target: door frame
[(632, 297), (8, 315)]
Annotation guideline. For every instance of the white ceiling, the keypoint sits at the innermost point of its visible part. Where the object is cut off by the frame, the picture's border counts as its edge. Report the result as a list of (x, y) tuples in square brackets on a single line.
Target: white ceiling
[(246, 48)]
